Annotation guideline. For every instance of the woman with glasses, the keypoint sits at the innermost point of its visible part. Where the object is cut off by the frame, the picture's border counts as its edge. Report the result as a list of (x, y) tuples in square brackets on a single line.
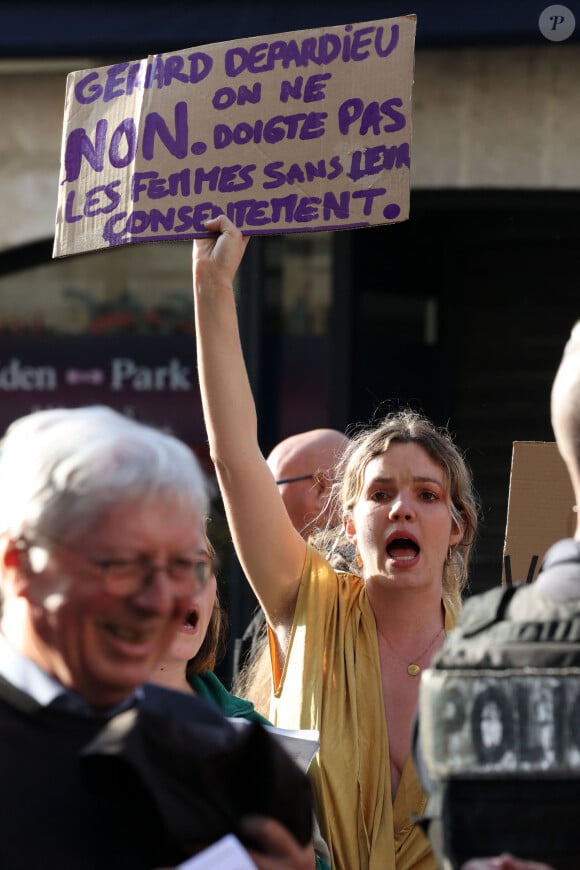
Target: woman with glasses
[(347, 648)]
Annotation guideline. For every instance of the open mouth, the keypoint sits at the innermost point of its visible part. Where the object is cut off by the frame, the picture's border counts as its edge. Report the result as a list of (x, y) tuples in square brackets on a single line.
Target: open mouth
[(401, 548), (191, 620)]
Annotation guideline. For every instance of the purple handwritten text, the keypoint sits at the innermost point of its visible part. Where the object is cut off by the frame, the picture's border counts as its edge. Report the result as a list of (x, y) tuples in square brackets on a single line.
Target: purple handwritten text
[(245, 213), (225, 179), (302, 125), (226, 97), (313, 89), (354, 45), (371, 161), (370, 116), (122, 79), (295, 173), (124, 140)]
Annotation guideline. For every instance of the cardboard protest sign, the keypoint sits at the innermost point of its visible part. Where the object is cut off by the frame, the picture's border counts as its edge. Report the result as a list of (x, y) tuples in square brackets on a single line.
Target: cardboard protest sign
[(284, 133), (540, 508)]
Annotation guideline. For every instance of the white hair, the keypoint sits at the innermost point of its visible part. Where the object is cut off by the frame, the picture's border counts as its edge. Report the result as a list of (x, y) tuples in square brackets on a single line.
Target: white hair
[(60, 469)]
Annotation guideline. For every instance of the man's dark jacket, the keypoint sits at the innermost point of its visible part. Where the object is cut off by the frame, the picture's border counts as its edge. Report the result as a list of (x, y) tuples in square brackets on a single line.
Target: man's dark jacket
[(145, 789)]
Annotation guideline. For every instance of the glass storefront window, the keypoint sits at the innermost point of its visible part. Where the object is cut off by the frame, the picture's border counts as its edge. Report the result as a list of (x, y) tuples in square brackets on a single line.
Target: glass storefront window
[(141, 289), (112, 328), (306, 283), (296, 351)]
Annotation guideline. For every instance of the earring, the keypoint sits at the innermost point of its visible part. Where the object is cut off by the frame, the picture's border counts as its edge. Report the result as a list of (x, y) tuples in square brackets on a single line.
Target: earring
[(449, 555), (359, 561)]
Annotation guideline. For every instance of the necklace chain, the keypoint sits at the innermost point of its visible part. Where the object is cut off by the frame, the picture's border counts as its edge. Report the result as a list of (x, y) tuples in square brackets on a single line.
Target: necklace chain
[(413, 667)]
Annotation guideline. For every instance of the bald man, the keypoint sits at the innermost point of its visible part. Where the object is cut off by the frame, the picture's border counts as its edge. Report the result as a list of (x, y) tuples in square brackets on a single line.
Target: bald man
[(304, 466)]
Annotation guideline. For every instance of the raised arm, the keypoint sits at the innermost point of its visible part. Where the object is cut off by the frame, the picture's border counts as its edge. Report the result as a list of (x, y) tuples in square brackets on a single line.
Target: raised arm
[(270, 550)]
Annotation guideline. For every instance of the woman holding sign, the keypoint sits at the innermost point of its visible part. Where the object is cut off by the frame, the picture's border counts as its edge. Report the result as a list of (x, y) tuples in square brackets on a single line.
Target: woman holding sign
[(347, 649)]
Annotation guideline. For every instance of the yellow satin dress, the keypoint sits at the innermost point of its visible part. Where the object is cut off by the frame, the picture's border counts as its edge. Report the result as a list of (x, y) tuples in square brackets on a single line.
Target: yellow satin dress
[(331, 681)]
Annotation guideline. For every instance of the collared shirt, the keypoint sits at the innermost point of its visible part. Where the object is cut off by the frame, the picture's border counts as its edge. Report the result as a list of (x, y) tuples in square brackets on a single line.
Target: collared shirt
[(27, 676)]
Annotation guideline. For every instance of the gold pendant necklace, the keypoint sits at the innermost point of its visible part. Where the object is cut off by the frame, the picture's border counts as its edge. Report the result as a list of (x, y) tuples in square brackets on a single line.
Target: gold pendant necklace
[(413, 668)]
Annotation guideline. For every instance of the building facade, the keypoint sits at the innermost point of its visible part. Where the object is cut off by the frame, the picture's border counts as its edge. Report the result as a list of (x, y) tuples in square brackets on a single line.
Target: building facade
[(461, 311)]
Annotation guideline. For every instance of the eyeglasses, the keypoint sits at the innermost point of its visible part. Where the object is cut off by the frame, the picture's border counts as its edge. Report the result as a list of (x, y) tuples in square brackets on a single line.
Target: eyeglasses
[(321, 479), (123, 577), (294, 479)]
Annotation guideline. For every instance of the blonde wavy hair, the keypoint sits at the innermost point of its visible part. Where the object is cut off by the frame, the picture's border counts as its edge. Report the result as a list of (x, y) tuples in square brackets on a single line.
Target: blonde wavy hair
[(408, 427)]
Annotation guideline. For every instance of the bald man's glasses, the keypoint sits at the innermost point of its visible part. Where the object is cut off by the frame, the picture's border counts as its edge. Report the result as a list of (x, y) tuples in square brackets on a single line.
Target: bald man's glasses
[(294, 479), (321, 480)]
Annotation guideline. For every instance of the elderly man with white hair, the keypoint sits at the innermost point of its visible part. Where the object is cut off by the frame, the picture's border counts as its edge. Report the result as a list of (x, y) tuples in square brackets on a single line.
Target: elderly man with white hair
[(102, 548)]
